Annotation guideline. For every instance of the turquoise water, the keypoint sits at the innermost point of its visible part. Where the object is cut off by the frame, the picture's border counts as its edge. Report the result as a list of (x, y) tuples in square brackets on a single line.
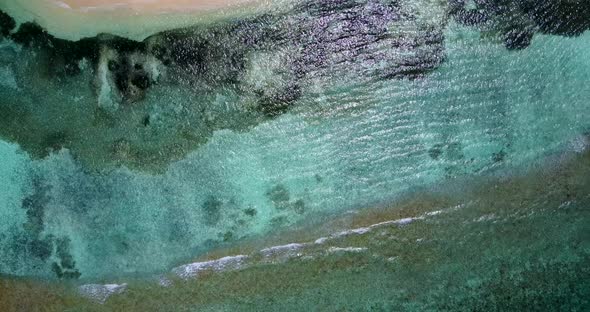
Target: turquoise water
[(73, 204), (484, 110)]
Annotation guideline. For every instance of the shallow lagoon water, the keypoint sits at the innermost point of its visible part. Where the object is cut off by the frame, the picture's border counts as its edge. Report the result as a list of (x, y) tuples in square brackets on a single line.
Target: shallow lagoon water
[(484, 113)]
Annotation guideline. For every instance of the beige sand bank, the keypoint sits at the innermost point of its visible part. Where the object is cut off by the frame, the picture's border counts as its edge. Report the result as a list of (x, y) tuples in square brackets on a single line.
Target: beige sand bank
[(135, 19)]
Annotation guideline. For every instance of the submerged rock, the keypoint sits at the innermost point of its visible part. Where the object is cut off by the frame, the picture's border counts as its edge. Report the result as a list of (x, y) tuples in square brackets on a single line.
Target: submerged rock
[(7, 24), (114, 101), (517, 21), (183, 79), (558, 17)]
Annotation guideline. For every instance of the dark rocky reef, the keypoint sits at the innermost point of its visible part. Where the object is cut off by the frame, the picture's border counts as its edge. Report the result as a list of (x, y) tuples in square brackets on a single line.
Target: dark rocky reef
[(7, 24), (345, 35), (559, 17), (518, 21), (113, 101)]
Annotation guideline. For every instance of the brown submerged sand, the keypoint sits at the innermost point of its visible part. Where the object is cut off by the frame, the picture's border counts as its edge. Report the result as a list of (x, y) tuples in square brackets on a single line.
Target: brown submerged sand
[(134, 19)]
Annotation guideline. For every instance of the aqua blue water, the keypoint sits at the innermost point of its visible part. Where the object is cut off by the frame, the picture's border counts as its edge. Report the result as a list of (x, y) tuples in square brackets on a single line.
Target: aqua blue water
[(485, 110)]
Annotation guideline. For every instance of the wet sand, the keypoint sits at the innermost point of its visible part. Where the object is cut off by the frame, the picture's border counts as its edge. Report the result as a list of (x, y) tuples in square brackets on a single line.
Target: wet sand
[(134, 19)]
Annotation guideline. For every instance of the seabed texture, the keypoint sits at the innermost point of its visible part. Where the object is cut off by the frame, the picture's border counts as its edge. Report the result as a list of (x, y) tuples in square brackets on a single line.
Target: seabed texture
[(369, 155)]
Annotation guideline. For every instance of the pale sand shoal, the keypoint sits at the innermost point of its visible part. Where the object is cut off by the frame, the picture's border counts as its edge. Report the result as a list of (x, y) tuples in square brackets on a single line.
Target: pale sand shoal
[(134, 19)]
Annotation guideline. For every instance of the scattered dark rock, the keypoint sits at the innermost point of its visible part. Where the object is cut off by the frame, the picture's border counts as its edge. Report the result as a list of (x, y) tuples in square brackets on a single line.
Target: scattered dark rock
[(64, 274), (499, 156), (42, 248), (318, 178), (146, 121), (34, 205), (435, 151), (63, 253), (279, 196), (299, 206), (212, 210), (251, 212), (227, 236), (71, 274), (66, 268), (57, 270), (454, 151)]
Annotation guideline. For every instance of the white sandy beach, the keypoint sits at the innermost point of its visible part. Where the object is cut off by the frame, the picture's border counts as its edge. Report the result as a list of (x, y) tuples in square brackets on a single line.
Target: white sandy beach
[(134, 19)]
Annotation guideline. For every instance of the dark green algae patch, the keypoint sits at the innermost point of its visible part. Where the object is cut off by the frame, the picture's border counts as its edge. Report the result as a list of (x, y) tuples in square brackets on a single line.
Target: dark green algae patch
[(518, 243)]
